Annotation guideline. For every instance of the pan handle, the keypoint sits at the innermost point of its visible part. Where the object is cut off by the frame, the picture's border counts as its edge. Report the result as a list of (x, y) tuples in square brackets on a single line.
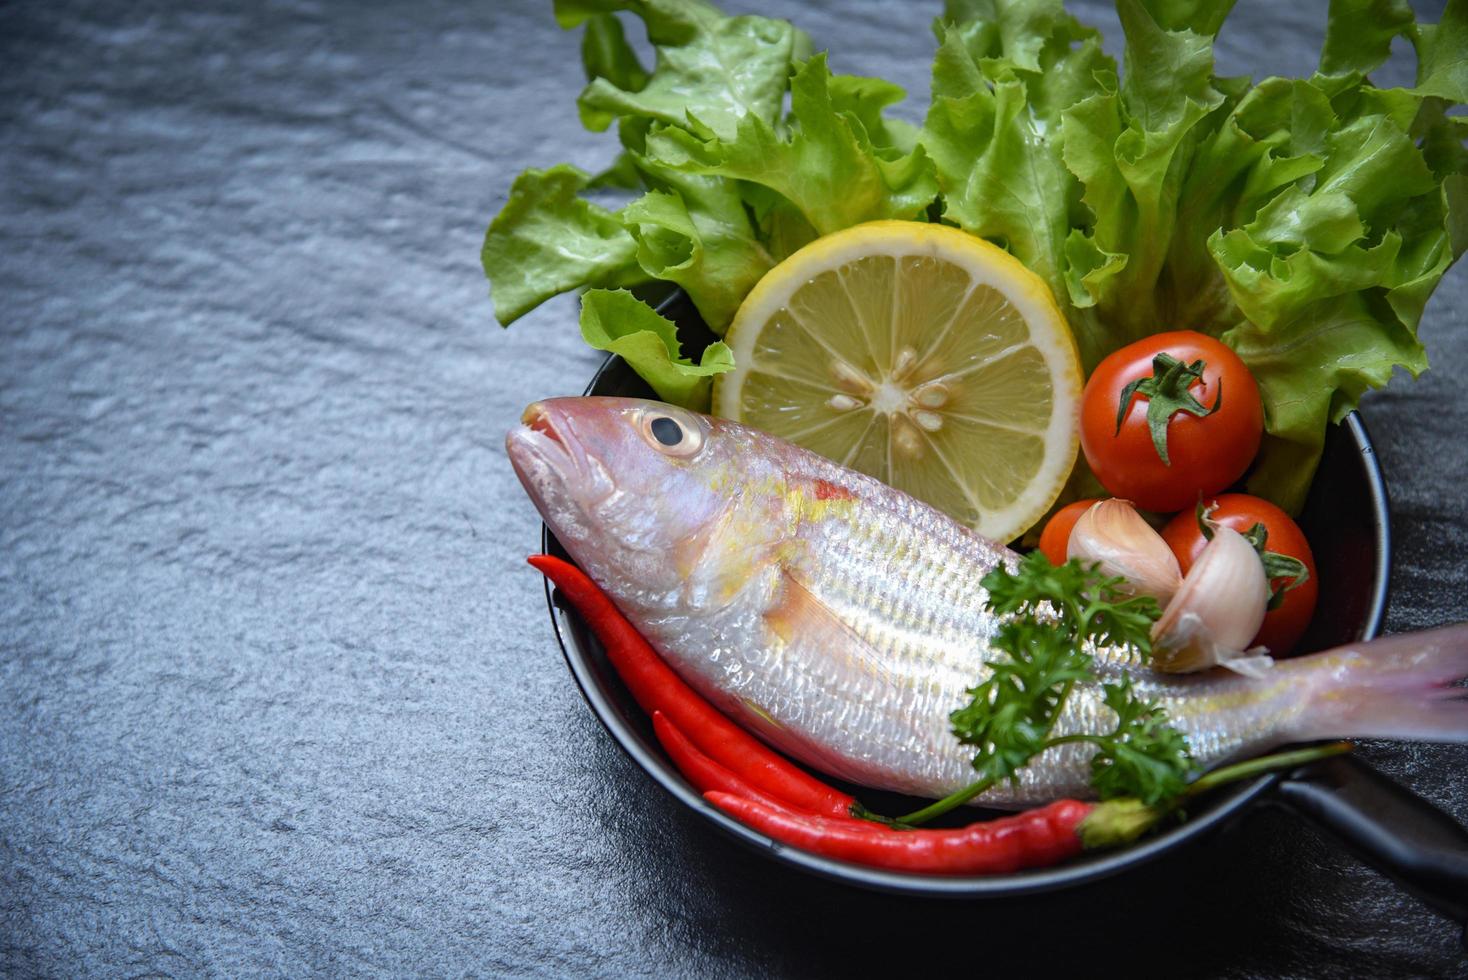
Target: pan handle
[(1394, 830)]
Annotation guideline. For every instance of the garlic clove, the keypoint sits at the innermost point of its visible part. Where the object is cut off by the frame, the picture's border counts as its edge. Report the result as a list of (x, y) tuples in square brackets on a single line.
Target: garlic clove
[(1216, 612), (1113, 534)]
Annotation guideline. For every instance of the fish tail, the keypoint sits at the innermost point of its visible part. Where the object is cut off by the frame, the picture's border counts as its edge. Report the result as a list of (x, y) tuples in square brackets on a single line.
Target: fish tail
[(1398, 687)]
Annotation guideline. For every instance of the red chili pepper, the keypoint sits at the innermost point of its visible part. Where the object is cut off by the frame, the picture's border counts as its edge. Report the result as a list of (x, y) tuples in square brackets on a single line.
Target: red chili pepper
[(749, 781), (708, 776), (658, 689), (1033, 839), (704, 773)]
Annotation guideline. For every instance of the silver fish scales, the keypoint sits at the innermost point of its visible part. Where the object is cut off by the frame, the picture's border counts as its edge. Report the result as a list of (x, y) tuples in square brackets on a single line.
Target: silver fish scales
[(842, 620)]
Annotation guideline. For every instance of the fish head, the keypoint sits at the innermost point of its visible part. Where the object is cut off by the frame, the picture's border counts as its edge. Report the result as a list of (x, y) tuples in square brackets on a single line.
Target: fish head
[(624, 483)]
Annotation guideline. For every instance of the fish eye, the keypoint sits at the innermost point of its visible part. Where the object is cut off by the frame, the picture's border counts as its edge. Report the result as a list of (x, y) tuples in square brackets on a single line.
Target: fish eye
[(670, 434), (666, 431)]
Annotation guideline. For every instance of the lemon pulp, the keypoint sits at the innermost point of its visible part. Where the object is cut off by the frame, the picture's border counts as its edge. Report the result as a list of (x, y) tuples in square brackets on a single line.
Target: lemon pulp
[(921, 355)]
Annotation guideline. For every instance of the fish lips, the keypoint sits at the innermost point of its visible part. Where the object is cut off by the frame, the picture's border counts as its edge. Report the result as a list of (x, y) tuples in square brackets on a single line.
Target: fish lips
[(549, 460)]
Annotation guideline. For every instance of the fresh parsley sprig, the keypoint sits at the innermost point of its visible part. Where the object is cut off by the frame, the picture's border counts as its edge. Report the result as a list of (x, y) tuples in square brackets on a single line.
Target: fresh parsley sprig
[(1011, 714), (1051, 614), (1144, 756), (1082, 603)]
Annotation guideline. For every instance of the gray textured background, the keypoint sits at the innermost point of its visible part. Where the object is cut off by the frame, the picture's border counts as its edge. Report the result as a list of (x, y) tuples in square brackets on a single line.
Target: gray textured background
[(277, 692)]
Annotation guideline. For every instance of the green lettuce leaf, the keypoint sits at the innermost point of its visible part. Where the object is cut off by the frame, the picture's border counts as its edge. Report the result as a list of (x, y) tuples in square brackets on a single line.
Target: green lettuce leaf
[(828, 168), (605, 53), (712, 70), (668, 22), (1270, 138), (993, 129), (1442, 51), (615, 321), (865, 100), (1014, 31), (622, 174), (687, 228), (1358, 36), (1130, 149), (700, 238), (1198, 16), (1311, 371), (693, 230), (547, 240), (1305, 222), (1329, 279)]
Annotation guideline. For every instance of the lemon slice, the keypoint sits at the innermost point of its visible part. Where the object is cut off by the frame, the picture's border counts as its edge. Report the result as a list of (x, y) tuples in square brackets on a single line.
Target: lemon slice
[(918, 354)]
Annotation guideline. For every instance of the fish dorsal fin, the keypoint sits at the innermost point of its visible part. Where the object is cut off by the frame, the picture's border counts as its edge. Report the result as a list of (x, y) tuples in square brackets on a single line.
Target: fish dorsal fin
[(801, 620)]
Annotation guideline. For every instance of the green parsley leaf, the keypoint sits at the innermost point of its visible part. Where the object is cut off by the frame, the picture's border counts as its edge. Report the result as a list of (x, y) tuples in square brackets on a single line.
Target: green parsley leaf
[(1090, 606), (1010, 716), (1144, 756), (1051, 615)]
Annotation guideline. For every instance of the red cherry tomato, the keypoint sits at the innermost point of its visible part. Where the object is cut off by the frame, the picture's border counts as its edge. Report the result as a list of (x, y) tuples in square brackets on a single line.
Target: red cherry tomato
[(1283, 626), (1205, 453), (1056, 537)]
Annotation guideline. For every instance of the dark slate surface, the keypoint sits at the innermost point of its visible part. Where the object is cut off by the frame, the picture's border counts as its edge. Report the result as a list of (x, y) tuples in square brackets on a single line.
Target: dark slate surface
[(277, 692)]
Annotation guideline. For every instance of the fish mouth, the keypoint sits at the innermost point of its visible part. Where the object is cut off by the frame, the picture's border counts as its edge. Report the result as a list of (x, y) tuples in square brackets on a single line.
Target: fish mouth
[(540, 443), (550, 461), (537, 419)]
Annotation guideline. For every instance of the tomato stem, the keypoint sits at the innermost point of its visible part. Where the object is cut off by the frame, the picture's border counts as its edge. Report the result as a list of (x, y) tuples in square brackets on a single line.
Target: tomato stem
[(1168, 391)]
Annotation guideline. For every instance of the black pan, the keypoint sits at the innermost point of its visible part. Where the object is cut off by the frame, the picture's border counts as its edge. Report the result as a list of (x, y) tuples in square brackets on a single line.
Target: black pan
[(1347, 520)]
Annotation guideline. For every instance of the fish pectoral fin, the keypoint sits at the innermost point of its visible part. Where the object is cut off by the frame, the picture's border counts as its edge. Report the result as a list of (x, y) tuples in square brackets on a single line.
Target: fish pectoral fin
[(799, 615), (801, 619)]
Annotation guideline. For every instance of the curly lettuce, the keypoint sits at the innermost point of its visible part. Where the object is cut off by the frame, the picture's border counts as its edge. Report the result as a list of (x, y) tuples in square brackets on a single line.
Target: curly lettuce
[(615, 321), (728, 183), (1304, 222)]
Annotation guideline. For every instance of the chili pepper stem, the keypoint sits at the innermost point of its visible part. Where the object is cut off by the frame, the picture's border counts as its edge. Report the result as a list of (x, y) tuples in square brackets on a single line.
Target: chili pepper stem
[(1117, 822)]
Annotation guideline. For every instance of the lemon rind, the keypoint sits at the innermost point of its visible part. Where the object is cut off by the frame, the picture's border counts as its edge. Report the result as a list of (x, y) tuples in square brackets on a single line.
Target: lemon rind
[(988, 265)]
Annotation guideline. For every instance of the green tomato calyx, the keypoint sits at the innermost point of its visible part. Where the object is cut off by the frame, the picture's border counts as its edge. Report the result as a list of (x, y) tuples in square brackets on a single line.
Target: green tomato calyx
[(1167, 391)]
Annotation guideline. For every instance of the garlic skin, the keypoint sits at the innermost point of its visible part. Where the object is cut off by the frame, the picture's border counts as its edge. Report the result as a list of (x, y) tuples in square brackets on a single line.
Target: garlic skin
[(1115, 535), (1216, 612)]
